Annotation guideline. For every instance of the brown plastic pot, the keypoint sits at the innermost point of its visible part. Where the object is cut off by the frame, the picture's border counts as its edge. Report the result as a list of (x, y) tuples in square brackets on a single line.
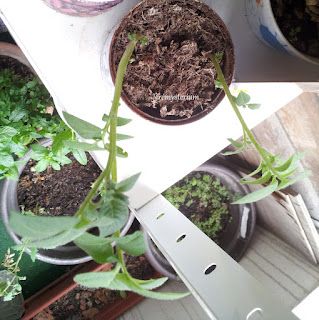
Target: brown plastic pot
[(228, 68), (64, 284)]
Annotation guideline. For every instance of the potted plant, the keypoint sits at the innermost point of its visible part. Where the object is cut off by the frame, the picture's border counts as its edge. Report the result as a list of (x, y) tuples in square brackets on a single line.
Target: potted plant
[(110, 212), (56, 299), (170, 81), (204, 196), (288, 26), (81, 8)]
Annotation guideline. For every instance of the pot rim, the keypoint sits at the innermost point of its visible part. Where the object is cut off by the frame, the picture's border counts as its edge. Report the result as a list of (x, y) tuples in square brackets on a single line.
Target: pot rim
[(43, 254), (229, 64)]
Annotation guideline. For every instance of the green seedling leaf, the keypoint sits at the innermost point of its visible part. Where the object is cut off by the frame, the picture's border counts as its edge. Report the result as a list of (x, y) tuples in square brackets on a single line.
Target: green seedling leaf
[(259, 194), (62, 159), (120, 137), (85, 129), (119, 151), (218, 84), (38, 148), (42, 165), (80, 156), (254, 172), (55, 165), (291, 163), (96, 279), (144, 41), (229, 153), (152, 283), (127, 184), (132, 244), (39, 227), (33, 254), (253, 106), (7, 132), (287, 183), (120, 121), (100, 249), (242, 99), (6, 160), (59, 139), (265, 178), (83, 146), (235, 143), (219, 56)]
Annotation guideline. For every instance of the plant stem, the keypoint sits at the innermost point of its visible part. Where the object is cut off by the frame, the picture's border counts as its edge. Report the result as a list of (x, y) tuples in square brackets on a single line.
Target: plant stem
[(260, 150), (111, 163)]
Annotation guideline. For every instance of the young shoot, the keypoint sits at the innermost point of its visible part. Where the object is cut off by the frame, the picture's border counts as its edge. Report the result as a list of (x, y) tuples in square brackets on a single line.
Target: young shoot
[(273, 170)]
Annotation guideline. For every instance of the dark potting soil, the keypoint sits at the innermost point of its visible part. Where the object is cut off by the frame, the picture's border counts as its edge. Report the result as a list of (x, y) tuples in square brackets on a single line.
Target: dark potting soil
[(170, 76), (19, 68), (58, 192), (294, 19), (85, 303)]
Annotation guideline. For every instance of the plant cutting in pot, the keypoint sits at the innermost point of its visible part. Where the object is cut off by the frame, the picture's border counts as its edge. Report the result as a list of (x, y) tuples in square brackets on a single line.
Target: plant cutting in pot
[(169, 81), (204, 196), (288, 26), (81, 8), (108, 213)]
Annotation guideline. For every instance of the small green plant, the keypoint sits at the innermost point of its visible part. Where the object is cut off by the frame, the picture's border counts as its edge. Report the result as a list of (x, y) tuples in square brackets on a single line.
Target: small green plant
[(23, 120), (294, 33), (108, 214), (10, 286), (273, 169), (206, 197)]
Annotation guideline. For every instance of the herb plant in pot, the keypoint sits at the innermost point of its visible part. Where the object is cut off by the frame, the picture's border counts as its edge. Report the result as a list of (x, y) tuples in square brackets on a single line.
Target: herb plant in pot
[(205, 197), (169, 81)]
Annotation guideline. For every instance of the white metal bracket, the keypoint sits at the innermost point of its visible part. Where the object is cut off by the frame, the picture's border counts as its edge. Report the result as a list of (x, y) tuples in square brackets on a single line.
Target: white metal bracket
[(223, 288)]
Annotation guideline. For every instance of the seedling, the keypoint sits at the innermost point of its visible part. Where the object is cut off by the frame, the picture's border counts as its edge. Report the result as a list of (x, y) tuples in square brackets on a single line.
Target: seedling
[(274, 171), (109, 214)]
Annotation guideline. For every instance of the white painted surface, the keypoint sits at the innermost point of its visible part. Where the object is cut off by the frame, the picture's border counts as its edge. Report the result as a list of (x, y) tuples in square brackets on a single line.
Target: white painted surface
[(308, 308), (65, 51)]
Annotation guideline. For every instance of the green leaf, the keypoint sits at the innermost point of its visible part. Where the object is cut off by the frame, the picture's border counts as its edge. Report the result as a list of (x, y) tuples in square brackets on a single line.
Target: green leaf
[(218, 84), (132, 244), (120, 121), (242, 99), (253, 106), (291, 163), (39, 227), (62, 159), (55, 165), (39, 148), (235, 143), (127, 184), (98, 248), (42, 165), (6, 160), (259, 194), (36, 156), (33, 254), (229, 153), (254, 172), (119, 151), (17, 114), (85, 129), (80, 156), (7, 132), (120, 137), (152, 283), (302, 175), (82, 146), (96, 279), (58, 141), (123, 282), (265, 177)]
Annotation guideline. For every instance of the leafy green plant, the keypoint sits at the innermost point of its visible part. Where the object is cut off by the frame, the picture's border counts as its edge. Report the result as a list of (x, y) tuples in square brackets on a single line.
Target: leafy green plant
[(274, 171), (206, 197), (108, 214), (23, 120)]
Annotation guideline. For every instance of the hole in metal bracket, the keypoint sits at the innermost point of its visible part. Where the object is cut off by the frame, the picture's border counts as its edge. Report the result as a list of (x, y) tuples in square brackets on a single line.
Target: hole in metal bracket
[(210, 268), (255, 314), (160, 216), (180, 238)]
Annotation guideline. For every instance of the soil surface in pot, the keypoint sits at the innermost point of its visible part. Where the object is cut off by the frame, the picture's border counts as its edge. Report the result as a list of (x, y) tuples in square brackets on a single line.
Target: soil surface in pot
[(19, 68), (85, 303), (57, 192), (169, 77), (298, 20), (203, 199)]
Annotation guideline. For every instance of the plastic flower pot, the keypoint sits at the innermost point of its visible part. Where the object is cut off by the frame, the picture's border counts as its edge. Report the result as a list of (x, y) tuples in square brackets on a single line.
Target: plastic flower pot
[(112, 52), (236, 235), (263, 23), (81, 8), (13, 309), (68, 254)]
